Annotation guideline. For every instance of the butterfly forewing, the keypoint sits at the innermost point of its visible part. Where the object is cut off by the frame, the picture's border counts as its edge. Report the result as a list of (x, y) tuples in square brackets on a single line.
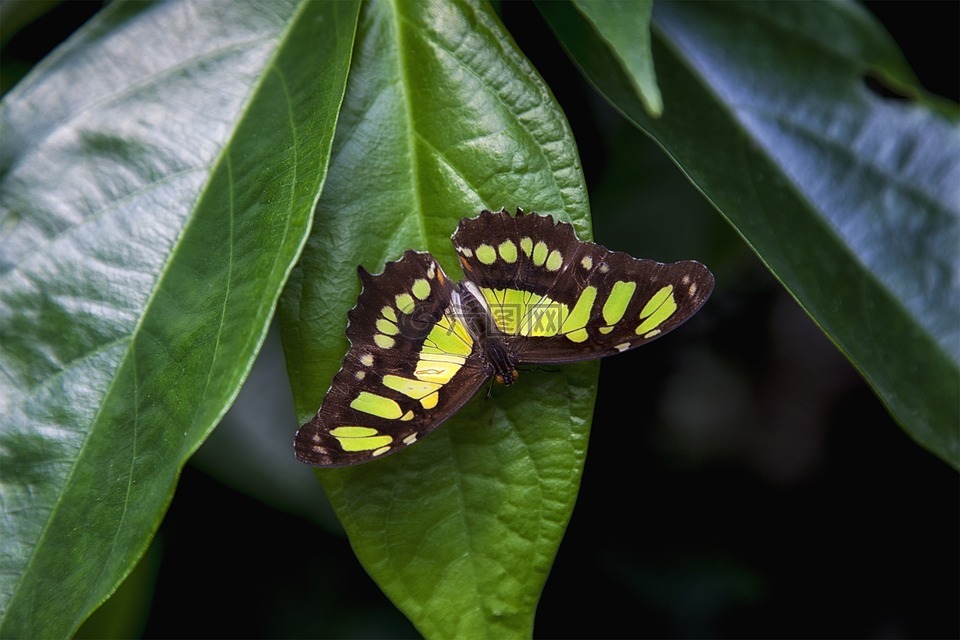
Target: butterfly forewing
[(559, 299), (411, 364)]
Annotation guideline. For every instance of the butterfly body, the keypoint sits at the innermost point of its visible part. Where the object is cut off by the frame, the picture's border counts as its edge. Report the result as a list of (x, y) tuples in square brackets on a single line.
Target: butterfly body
[(493, 348), (421, 346)]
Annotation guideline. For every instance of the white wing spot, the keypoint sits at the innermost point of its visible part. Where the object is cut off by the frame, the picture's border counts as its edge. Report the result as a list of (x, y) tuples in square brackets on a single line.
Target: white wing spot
[(623, 346), (604, 267), (366, 360), (693, 288), (360, 375), (587, 262), (410, 439), (685, 279)]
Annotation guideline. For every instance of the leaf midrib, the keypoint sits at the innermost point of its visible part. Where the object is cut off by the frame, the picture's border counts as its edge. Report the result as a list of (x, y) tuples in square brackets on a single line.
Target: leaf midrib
[(404, 74)]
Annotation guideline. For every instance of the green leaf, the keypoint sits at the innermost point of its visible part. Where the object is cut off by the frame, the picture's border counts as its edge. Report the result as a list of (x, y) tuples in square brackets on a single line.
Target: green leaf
[(159, 172), (624, 25), (849, 198), (444, 117)]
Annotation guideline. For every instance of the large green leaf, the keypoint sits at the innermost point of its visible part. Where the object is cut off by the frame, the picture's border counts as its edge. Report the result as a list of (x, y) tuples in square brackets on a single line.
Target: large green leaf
[(443, 117), (849, 198), (159, 172)]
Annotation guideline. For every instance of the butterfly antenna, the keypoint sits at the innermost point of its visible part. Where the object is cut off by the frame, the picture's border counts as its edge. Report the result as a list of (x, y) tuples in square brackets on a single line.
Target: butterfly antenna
[(538, 368)]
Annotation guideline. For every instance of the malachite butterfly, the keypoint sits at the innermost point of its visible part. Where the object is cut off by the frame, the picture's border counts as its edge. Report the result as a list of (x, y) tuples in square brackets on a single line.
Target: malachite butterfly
[(421, 345)]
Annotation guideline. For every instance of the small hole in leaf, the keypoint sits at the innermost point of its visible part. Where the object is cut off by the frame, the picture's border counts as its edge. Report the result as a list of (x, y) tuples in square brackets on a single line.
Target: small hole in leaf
[(880, 87)]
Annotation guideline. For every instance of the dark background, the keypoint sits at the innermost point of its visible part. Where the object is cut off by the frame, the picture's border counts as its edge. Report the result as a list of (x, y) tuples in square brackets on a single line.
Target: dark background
[(769, 493)]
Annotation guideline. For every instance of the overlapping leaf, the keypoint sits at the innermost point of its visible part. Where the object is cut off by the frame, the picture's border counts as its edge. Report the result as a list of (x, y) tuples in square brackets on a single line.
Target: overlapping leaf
[(850, 199), (625, 27), (158, 176)]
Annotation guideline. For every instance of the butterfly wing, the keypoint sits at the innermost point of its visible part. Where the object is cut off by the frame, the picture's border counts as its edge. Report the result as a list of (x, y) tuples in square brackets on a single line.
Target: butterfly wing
[(559, 299), (410, 366)]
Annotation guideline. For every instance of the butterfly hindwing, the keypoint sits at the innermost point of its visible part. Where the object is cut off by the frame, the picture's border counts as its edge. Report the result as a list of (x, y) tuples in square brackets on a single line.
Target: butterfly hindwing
[(559, 299), (411, 364)]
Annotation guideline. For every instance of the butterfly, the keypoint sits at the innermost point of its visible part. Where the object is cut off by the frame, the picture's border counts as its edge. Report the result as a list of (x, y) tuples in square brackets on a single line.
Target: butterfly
[(422, 345)]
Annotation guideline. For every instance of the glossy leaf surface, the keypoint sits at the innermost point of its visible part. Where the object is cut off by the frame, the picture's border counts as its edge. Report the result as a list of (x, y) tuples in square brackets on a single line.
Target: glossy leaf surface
[(159, 172)]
